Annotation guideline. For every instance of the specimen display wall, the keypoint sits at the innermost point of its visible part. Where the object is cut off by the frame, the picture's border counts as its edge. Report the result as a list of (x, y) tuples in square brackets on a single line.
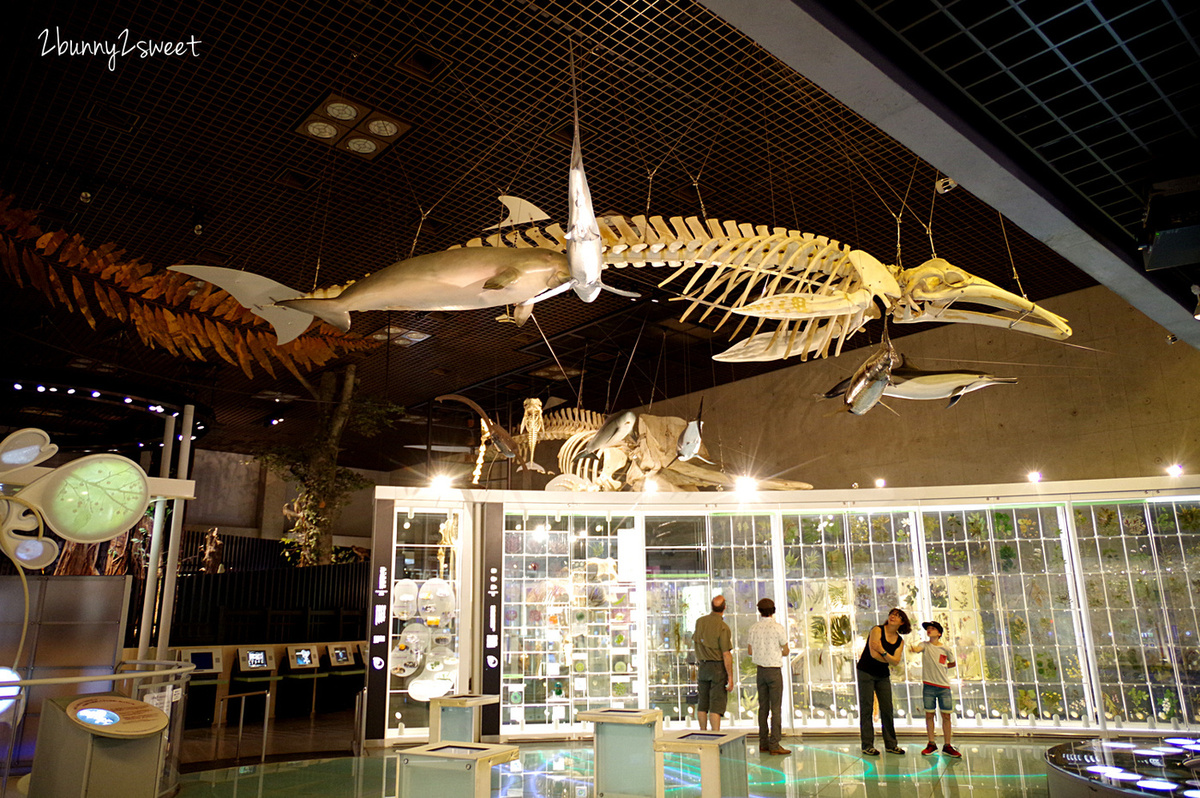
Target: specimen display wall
[(1069, 605)]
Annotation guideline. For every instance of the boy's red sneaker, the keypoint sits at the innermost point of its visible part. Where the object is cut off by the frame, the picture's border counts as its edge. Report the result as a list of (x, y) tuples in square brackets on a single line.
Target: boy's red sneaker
[(929, 749), (950, 750)]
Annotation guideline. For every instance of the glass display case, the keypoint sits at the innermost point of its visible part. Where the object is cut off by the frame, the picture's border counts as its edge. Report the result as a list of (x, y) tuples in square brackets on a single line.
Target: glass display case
[(1062, 612), (422, 602)]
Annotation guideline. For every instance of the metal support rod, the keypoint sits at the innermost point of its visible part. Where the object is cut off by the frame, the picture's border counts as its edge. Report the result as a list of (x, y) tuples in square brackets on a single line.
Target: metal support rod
[(168, 600), (150, 594)]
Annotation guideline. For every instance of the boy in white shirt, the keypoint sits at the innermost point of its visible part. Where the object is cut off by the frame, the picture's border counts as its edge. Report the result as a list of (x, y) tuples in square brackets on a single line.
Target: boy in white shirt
[(768, 647), (936, 661)]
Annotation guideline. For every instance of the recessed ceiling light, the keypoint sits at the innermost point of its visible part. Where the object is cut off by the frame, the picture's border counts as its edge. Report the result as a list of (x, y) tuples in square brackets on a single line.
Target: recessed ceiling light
[(383, 127), (363, 146), (341, 110), (322, 130), (416, 335)]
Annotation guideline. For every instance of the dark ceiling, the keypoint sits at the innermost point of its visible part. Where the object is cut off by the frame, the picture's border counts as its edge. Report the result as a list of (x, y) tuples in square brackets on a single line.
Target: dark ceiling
[(682, 115)]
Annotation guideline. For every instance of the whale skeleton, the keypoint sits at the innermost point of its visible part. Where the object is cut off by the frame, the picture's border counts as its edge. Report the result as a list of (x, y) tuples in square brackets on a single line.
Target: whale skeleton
[(817, 291)]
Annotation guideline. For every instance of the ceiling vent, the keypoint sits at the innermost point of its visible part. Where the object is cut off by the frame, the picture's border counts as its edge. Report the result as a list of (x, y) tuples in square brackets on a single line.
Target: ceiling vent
[(113, 118), (422, 64)]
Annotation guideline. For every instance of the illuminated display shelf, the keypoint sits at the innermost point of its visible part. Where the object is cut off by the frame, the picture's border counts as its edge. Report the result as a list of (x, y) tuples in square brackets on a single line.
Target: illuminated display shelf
[(1125, 766)]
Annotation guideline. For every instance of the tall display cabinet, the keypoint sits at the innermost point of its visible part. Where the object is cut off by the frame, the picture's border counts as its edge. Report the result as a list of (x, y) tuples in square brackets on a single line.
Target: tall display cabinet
[(1070, 605)]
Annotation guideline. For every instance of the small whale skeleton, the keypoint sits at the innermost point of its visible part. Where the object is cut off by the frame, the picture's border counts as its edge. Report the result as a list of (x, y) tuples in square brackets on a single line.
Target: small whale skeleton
[(818, 291)]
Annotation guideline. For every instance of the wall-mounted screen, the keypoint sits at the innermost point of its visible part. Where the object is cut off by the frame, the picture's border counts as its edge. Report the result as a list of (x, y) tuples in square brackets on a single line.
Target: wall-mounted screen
[(339, 655), (206, 660), (256, 658), (302, 657)]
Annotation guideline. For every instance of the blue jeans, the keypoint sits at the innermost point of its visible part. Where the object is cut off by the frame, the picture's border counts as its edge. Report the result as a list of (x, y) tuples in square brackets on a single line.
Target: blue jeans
[(869, 688), (932, 695)]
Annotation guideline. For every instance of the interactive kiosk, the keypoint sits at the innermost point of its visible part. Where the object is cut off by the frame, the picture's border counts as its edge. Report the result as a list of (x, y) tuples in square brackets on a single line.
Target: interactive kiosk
[(345, 678), (722, 760), (459, 769), (255, 672), (458, 717), (298, 677), (204, 686), (103, 745), (626, 760)]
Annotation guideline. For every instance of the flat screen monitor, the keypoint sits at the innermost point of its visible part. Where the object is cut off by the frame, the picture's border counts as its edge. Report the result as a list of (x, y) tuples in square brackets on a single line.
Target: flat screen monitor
[(206, 660), (339, 655), (256, 658), (303, 657)]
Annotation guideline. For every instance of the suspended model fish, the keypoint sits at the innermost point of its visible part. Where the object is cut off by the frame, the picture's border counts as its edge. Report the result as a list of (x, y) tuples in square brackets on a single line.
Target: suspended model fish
[(455, 279), (615, 429), (913, 383), (868, 383), (689, 440), (585, 250)]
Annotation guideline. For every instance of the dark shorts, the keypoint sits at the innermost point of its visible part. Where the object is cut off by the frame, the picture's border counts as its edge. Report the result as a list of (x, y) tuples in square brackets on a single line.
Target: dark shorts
[(713, 696), (932, 695)]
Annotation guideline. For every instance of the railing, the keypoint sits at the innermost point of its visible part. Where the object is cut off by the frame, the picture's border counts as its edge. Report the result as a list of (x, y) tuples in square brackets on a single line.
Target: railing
[(221, 717)]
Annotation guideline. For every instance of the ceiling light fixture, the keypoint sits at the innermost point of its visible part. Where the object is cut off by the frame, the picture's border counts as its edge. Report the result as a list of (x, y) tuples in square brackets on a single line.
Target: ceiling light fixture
[(352, 127), (744, 486), (1034, 476), (1175, 470), (881, 483)]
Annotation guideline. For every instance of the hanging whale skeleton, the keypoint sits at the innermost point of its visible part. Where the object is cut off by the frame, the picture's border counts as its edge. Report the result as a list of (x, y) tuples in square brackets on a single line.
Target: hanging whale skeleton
[(816, 291)]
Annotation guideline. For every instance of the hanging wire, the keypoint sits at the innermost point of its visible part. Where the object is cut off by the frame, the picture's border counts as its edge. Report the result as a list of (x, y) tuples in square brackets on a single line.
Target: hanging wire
[(932, 202), (578, 395), (1011, 262), (628, 363)]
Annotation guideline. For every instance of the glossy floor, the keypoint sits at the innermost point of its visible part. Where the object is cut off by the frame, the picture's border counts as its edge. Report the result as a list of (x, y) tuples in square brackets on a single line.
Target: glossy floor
[(825, 767)]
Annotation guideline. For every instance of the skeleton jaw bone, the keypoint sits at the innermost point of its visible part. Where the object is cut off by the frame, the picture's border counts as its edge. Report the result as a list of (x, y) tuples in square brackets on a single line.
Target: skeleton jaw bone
[(932, 290)]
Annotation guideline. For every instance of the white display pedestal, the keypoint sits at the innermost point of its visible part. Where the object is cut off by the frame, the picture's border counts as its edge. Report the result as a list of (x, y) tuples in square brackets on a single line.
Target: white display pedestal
[(458, 717), (627, 765), (459, 769), (722, 760)]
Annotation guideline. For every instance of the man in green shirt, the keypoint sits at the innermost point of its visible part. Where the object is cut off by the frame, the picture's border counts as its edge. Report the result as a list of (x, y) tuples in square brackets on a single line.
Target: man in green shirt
[(713, 643)]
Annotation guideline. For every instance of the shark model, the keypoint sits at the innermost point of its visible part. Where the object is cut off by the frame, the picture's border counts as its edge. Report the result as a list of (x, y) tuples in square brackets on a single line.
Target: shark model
[(912, 383), (585, 250), (466, 278)]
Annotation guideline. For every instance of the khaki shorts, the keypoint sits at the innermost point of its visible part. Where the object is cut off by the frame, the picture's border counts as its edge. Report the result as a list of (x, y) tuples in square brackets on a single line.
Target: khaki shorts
[(713, 696)]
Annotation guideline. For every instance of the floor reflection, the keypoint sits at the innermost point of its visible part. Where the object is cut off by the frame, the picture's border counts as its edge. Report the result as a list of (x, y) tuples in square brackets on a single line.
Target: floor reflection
[(826, 768)]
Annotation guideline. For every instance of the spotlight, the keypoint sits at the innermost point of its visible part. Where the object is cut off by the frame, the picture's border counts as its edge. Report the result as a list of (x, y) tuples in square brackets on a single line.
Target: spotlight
[(95, 394), (71, 391), (650, 486), (128, 401), (441, 482), (276, 422), (1175, 470), (1034, 476), (17, 386), (881, 483), (745, 485), (41, 389)]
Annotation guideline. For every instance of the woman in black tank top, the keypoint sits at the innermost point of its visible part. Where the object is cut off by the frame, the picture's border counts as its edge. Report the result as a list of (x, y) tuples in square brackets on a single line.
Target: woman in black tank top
[(884, 647)]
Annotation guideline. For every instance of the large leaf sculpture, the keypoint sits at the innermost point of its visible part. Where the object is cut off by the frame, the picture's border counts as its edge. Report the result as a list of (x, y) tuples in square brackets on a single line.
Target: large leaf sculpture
[(188, 318)]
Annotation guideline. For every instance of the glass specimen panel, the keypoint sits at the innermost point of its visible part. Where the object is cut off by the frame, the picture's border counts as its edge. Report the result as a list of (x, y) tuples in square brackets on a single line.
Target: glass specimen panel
[(423, 642), (571, 637)]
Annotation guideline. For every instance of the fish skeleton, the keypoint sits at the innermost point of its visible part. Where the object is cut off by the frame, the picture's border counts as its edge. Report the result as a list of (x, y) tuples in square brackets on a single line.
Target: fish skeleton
[(689, 442), (868, 383), (501, 439), (615, 429), (907, 382)]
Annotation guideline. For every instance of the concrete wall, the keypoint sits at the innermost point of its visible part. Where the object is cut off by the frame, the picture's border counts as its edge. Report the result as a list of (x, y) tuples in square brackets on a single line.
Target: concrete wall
[(235, 493), (1115, 400)]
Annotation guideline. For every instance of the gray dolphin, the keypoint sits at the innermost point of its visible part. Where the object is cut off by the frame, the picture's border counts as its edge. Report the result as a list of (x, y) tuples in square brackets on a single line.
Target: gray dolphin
[(615, 429), (913, 383), (866, 387), (688, 445)]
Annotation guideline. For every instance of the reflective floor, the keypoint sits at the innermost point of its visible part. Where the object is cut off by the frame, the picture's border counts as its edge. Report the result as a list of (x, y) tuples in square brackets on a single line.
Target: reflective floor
[(826, 767)]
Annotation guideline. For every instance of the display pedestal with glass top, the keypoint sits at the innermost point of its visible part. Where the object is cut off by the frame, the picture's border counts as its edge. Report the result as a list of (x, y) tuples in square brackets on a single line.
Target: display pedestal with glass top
[(457, 717), (722, 760), (1123, 767), (461, 769), (103, 745), (626, 762)]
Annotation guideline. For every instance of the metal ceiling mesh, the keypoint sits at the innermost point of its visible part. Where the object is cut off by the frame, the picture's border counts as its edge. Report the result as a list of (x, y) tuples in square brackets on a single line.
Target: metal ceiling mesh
[(682, 115), (1103, 91)]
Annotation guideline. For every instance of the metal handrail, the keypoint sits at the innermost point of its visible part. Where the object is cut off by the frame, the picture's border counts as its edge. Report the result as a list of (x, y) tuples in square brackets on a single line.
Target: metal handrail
[(221, 715)]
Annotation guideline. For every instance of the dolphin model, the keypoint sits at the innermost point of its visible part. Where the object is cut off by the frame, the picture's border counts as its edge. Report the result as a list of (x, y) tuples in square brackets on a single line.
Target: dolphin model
[(615, 429), (585, 250), (501, 439), (467, 278), (908, 382), (689, 442), (872, 377)]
